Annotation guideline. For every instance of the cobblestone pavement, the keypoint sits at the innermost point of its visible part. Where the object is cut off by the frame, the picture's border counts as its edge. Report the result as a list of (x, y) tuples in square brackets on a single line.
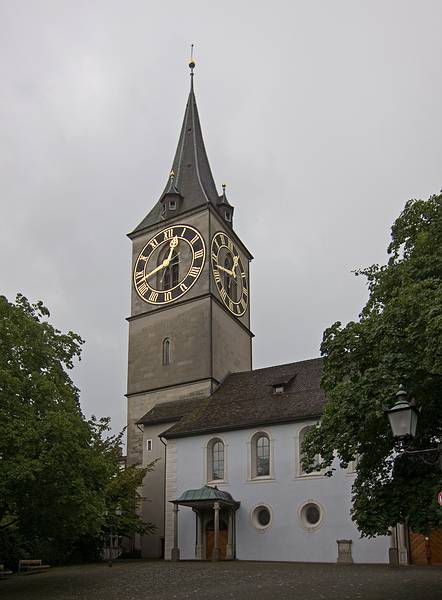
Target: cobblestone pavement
[(146, 580)]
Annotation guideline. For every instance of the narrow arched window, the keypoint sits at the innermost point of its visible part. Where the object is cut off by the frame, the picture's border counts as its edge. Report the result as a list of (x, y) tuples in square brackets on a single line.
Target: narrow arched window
[(166, 351), (216, 460), (260, 459), (262, 456)]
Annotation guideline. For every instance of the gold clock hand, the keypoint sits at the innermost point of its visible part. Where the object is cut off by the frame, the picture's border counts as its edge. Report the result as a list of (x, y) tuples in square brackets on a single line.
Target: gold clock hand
[(228, 271), (173, 245), (235, 264), (161, 266)]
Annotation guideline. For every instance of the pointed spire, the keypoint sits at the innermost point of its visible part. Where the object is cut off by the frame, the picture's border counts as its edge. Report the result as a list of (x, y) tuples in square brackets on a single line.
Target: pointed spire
[(192, 177)]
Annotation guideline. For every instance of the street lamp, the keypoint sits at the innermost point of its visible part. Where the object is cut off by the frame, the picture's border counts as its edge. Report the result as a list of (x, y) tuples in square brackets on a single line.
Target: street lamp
[(403, 417)]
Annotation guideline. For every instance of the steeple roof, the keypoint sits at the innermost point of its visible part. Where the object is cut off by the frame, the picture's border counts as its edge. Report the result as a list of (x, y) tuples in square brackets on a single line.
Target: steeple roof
[(192, 175)]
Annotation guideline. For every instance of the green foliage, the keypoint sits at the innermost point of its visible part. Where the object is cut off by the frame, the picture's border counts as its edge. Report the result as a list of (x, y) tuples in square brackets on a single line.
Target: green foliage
[(398, 339), (59, 473)]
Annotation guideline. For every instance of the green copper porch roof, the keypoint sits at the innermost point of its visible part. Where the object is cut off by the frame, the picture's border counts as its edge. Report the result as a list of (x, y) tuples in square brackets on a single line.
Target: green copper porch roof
[(205, 493)]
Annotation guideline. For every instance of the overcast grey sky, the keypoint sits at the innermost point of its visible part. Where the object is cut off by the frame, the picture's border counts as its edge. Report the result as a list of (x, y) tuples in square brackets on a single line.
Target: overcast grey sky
[(322, 117)]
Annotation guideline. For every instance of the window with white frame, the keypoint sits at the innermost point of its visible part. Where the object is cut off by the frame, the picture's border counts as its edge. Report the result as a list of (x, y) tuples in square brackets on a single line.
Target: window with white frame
[(149, 445), (317, 458), (311, 514), (215, 460), (260, 455)]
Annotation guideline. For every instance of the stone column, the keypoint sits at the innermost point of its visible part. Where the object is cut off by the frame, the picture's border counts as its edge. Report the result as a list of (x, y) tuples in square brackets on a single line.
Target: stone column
[(175, 550), (216, 551), (229, 549)]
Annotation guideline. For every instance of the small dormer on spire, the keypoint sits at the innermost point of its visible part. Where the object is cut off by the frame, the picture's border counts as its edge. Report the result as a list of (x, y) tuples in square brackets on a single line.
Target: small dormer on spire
[(171, 198), (224, 207)]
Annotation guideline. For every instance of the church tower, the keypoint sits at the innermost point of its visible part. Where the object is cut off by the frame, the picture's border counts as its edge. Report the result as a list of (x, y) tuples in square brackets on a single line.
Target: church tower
[(190, 320)]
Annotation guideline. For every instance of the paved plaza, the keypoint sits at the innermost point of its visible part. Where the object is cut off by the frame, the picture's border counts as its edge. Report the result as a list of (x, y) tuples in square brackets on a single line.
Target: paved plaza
[(140, 580)]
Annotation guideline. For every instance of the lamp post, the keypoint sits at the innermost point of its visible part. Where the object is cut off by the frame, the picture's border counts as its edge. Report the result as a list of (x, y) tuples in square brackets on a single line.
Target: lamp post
[(403, 417)]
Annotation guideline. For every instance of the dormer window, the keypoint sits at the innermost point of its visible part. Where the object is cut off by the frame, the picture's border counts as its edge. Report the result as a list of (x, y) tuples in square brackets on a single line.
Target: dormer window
[(278, 388), (172, 204)]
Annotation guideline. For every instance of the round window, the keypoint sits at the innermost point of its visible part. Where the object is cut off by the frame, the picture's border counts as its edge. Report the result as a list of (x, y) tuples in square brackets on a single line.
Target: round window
[(311, 515), (261, 517)]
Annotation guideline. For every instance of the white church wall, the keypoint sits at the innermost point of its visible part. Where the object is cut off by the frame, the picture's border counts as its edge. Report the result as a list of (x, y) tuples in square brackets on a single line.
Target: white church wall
[(285, 492)]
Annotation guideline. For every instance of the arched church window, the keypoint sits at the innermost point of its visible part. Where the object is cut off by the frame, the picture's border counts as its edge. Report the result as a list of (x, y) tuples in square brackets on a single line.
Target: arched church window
[(215, 460), (260, 448), (166, 351), (230, 284)]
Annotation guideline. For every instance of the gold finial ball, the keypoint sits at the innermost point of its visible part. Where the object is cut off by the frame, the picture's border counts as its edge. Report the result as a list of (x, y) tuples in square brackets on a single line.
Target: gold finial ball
[(192, 63), (172, 174)]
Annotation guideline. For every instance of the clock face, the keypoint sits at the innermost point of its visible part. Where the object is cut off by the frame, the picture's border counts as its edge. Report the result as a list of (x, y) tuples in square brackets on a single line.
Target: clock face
[(169, 264), (229, 274)]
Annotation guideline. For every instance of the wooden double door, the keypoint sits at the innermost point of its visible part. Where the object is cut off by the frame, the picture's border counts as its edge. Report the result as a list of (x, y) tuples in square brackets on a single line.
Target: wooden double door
[(426, 550), (210, 539)]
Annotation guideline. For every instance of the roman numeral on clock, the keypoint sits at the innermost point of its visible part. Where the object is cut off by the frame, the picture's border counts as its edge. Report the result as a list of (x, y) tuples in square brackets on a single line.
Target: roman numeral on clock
[(194, 239), (153, 243), (167, 296), (139, 275), (217, 275), (194, 272), (223, 294), (153, 296), (142, 289), (183, 287), (168, 234), (199, 253)]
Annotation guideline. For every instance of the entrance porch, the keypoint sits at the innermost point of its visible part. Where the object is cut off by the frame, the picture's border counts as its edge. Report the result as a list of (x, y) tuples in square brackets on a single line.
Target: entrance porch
[(215, 523)]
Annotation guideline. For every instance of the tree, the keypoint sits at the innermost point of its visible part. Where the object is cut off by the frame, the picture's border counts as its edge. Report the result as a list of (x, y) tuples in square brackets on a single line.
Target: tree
[(59, 473), (397, 339)]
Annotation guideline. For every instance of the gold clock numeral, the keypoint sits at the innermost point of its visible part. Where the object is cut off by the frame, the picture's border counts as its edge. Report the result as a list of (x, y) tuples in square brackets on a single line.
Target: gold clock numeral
[(153, 243), (215, 241), (243, 303), (194, 272), (214, 257), (223, 294), (143, 288), (230, 304), (243, 275), (217, 275), (153, 296), (167, 296), (183, 232), (139, 275), (183, 287), (194, 239), (230, 245), (141, 257), (168, 234), (199, 253), (223, 239), (245, 292)]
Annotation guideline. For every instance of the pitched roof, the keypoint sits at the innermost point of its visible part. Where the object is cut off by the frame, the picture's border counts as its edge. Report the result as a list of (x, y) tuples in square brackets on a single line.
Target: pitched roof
[(248, 399), (169, 412), (193, 177), (205, 493)]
